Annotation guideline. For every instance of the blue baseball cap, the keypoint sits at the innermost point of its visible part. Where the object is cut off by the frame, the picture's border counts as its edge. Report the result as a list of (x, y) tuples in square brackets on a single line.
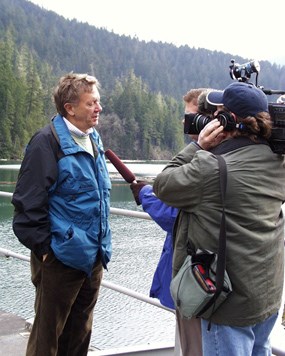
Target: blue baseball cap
[(243, 99)]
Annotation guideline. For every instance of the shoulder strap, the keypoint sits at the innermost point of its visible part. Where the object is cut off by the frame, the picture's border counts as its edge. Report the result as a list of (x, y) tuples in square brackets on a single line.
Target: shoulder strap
[(54, 132), (57, 147), (221, 260)]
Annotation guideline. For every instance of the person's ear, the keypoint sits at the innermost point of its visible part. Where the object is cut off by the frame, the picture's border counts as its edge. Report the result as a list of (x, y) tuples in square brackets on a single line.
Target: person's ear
[(69, 109)]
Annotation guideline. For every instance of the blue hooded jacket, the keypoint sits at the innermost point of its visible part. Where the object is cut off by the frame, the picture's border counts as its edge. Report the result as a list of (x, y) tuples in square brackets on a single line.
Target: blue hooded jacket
[(79, 204), (64, 205), (165, 217)]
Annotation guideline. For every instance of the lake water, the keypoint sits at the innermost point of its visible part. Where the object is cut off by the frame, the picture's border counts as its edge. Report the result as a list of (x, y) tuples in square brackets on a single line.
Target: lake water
[(119, 320)]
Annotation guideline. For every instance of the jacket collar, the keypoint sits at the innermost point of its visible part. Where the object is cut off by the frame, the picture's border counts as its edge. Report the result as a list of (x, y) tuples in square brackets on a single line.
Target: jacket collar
[(235, 143)]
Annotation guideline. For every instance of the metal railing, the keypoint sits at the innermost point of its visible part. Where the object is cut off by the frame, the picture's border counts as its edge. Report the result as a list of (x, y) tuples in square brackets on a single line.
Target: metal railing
[(118, 288), (278, 348), (107, 284), (116, 211)]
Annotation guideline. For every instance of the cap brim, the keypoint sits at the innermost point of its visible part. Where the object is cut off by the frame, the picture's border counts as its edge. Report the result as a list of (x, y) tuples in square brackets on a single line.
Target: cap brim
[(215, 97)]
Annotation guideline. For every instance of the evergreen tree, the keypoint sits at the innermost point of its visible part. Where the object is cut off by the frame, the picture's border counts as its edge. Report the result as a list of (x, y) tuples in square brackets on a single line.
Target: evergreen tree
[(8, 84)]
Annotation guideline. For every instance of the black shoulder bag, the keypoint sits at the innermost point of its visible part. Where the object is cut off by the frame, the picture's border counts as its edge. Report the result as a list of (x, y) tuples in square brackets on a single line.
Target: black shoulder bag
[(202, 283)]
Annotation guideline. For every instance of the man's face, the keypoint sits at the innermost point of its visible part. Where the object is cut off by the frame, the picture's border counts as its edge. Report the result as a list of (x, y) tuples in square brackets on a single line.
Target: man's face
[(85, 113)]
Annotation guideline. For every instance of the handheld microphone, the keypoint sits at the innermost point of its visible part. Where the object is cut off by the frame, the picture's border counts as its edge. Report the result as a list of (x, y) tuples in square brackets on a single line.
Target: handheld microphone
[(128, 176)]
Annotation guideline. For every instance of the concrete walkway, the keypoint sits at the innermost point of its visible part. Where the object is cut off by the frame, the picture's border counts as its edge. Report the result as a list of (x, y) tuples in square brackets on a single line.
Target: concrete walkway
[(13, 335)]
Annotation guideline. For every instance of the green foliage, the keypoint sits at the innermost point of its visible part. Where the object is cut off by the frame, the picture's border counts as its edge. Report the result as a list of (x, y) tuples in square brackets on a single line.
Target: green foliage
[(21, 98), (142, 83), (145, 125)]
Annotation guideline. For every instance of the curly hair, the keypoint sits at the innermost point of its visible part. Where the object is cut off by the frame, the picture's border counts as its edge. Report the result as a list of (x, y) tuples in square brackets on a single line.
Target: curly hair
[(256, 126), (260, 125)]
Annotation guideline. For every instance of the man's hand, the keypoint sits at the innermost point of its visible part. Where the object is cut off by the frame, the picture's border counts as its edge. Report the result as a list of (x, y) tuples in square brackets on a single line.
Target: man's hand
[(211, 135), (136, 188)]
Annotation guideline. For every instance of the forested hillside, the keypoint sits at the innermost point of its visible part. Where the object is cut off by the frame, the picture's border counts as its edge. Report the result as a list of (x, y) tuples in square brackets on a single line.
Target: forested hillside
[(142, 83)]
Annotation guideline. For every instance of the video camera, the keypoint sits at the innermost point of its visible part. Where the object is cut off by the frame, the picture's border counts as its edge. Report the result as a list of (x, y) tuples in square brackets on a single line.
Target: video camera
[(194, 123), (242, 72)]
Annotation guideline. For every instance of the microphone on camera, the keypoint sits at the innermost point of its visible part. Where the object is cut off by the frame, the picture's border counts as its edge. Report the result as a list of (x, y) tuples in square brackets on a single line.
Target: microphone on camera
[(128, 176)]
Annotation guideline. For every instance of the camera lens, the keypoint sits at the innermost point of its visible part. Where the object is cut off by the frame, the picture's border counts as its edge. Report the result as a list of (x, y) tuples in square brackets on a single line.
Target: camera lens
[(194, 123), (223, 120), (200, 122)]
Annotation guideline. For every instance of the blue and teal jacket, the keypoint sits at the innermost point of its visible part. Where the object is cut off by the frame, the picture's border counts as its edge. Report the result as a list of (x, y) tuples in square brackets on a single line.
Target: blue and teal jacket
[(165, 217), (62, 199)]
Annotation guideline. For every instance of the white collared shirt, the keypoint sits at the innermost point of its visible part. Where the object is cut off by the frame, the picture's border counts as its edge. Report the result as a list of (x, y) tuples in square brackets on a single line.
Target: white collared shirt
[(80, 137)]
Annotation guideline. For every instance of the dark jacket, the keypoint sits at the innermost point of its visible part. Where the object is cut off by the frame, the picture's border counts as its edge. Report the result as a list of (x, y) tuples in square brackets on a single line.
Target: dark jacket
[(62, 199), (255, 225)]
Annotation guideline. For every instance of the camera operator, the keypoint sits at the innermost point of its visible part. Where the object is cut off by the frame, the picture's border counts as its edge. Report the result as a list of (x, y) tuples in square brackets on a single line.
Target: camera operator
[(255, 226), (165, 215)]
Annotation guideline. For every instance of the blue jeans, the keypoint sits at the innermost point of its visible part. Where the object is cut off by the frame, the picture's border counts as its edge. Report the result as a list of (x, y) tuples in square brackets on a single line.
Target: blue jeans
[(224, 340)]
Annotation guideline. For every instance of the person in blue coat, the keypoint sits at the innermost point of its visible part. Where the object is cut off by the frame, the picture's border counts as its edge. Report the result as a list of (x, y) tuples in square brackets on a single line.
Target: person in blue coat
[(165, 216)]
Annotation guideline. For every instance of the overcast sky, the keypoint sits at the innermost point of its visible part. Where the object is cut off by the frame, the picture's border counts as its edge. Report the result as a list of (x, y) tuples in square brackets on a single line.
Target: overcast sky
[(248, 28)]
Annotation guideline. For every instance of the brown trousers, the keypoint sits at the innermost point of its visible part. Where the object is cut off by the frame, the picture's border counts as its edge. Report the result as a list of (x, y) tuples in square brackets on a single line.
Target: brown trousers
[(64, 304), (189, 335)]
